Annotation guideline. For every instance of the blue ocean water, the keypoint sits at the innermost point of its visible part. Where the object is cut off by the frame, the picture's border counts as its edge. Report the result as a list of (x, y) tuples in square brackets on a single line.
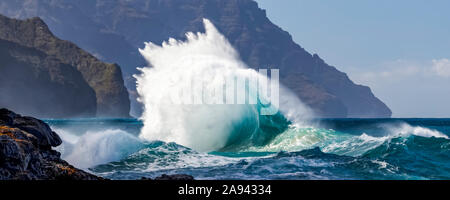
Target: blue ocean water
[(328, 149)]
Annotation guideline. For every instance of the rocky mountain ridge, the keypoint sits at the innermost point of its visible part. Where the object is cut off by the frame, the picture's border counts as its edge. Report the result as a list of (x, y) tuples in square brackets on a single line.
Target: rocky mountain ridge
[(35, 83), (114, 30), (110, 95)]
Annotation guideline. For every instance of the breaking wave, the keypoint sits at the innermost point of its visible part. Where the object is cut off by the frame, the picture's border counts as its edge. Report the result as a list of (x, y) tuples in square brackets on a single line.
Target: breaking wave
[(240, 140), (200, 68)]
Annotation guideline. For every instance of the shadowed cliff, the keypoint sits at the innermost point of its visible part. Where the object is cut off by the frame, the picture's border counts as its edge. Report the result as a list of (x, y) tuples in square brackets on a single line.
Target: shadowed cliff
[(48, 77), (37, 84), (125, 25)]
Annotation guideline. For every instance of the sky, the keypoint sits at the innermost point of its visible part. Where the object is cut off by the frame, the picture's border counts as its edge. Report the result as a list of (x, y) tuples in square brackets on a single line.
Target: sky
[(400, 49)]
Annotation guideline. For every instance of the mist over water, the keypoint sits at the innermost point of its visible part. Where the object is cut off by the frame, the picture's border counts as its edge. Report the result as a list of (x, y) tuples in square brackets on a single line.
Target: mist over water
[(185, 129), (197, 70), (337, 149), (97, 147)]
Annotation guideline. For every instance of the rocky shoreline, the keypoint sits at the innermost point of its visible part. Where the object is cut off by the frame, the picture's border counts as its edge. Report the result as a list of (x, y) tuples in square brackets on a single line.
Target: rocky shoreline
[(26, 152)]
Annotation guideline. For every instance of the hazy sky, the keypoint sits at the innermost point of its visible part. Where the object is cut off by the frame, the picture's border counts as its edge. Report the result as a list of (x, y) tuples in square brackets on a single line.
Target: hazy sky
[(401, 48)]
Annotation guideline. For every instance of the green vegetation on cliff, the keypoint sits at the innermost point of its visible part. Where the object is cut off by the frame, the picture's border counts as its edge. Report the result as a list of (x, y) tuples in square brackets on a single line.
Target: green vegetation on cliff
[(105, 79)]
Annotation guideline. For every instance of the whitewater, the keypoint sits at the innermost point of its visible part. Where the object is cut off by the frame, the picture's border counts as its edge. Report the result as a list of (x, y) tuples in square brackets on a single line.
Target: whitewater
[(199, 68), (189, 126)]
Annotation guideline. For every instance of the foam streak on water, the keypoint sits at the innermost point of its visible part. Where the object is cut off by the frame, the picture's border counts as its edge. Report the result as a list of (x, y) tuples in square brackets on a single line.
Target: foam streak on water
[(409, 149), (236, 141)]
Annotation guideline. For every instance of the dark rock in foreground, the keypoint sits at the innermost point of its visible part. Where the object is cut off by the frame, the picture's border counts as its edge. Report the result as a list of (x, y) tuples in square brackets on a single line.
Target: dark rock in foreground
[(26, 151)]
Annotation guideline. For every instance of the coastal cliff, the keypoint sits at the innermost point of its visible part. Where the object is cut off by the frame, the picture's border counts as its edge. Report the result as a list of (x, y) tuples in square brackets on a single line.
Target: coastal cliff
[(29, 45), (115, 29), (26, 151), (37, 84)]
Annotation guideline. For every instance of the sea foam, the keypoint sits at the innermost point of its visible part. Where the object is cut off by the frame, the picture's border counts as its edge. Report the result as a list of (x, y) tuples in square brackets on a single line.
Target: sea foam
[(176, 67)]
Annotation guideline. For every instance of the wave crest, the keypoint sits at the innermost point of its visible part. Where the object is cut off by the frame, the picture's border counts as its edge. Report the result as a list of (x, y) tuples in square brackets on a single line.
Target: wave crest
[(177, 68)]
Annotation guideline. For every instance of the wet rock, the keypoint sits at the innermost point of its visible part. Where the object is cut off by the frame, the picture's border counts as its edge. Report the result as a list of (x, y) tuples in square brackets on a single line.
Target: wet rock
[(26, 151), (46, 138)]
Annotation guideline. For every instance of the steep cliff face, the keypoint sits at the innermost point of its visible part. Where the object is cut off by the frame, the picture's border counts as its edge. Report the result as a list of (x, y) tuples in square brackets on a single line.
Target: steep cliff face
[(105, 79), (35, 83), (260, 43)]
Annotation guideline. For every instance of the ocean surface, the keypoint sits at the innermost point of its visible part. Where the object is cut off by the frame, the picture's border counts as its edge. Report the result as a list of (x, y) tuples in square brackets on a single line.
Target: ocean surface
[(187, 127), (325, 149)]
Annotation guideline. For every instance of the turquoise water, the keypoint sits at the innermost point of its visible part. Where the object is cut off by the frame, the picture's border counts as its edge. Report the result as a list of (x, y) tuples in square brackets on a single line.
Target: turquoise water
[(327, 149)]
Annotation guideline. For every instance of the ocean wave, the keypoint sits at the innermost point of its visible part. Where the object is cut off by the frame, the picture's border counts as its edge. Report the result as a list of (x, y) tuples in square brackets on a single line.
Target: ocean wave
[(193, 79), (395, 150), (97, 147), (332, 141)]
